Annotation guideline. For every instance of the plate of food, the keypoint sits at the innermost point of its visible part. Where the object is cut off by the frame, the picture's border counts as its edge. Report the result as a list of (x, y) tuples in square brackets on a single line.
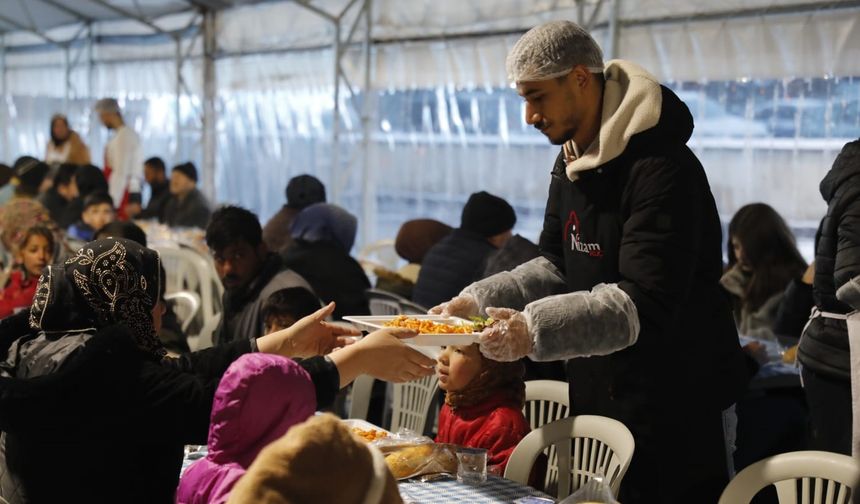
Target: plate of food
[(433, 330), (366, 430)]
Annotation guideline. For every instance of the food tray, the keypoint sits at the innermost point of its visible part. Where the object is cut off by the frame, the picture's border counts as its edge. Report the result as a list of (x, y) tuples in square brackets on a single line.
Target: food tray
[(374, 322)]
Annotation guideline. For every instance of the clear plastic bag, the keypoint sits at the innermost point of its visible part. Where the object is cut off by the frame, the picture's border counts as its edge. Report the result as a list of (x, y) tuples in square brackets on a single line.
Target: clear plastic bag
[(409, 454), (595, 491)]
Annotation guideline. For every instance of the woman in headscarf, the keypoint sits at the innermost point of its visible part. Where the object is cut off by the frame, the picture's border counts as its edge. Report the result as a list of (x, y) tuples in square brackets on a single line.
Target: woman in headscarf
[(92, 410), (65, 145), (323, 234)]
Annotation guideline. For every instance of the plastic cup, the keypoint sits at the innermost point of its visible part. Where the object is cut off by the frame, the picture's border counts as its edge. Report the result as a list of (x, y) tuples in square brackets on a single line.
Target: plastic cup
[(472, 465)]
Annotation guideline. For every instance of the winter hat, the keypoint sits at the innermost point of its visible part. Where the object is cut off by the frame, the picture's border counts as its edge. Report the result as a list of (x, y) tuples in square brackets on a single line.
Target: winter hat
[(187, 169), (417, 236), (487, 215), (323, 222), (30, 172), (304, 190)]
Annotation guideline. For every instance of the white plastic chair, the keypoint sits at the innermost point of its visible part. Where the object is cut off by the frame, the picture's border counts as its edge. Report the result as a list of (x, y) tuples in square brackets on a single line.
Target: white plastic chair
[(811, 477), (186, 304), (547, 401), (379, 253), (412, 402), (360, 397), (191, 271), (383, 302), (586, 445), (204, 338)]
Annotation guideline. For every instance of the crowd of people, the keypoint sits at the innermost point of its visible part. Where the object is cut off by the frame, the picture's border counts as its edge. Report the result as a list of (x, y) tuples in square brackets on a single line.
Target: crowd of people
[(628, 272)]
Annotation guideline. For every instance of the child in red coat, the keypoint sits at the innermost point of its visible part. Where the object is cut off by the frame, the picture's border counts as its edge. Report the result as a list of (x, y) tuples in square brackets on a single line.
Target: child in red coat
[(483, 403), (34, 253)]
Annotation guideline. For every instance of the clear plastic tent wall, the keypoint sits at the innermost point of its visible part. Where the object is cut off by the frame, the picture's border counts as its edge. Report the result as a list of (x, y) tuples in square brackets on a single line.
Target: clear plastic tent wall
[(774, 97)]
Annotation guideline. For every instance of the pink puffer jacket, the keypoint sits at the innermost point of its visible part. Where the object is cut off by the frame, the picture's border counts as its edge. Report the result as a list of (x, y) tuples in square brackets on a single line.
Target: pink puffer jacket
[(259, 398)]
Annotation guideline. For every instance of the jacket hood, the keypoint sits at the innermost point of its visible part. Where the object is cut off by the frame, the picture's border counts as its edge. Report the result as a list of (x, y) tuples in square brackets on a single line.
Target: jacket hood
[(846, 165), (636, 109), (258, 399)]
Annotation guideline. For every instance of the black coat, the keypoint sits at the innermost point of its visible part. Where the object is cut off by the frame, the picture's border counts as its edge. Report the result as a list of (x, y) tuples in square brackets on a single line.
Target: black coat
[(62, 211), (824, 346), (332, 273), (111, 424), (193, 211), (647, 221), (157, 202), (451, 265)]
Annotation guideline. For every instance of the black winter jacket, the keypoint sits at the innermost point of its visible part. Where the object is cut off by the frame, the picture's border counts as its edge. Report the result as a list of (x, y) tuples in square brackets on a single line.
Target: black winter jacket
[(647, 221), (332, 273), (111, 423), (451, 265), (824, 346)]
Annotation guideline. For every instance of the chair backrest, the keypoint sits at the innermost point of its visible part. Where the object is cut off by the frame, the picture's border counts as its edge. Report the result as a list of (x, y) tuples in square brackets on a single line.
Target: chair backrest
[(186, 305), (204, 339), (412, 402), (409, 308), (547, 401), (811, 477), (191, 271), (383, 302), (587, 445), (360, 397), (379, 253)]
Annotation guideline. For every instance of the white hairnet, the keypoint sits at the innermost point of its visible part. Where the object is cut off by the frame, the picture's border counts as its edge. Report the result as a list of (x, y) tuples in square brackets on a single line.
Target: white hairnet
[(552, 50), (582, 324)]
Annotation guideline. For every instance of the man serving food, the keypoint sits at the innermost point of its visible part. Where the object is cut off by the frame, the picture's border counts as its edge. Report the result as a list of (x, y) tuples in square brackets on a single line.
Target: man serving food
[(629, 269)]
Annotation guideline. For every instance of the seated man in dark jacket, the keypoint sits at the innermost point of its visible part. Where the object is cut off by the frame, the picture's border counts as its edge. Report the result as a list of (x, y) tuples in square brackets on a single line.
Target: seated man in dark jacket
[(323, 235), (155, 174), (187, 207), (248, 271), (459, 258)]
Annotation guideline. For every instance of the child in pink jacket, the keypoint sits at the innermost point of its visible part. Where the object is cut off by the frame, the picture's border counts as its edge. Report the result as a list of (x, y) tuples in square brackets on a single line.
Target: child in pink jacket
[(258, 399)]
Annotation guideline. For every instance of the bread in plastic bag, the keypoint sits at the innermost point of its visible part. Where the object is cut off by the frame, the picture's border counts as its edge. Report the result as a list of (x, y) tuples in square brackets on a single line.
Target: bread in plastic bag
[(409, 454)]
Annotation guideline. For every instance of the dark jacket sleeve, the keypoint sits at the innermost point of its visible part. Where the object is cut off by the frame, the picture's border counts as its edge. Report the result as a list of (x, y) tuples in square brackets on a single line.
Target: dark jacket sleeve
[(847, 263), (660, 241), (176, 395), (326, 379), (793, 311), (550, 243)]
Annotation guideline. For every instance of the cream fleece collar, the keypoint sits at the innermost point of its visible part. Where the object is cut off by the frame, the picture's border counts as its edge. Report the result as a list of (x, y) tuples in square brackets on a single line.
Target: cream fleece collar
[(632, 101)]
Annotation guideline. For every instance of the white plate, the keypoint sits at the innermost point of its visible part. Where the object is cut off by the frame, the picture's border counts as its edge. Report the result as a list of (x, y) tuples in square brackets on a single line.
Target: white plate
[(374, 322)]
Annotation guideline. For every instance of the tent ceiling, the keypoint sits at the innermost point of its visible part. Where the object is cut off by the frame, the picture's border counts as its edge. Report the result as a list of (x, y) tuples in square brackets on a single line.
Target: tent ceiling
[(393, 18)]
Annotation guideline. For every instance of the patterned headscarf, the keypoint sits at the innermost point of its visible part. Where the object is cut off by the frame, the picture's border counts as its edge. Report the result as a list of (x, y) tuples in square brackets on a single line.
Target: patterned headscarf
[(109, 281)]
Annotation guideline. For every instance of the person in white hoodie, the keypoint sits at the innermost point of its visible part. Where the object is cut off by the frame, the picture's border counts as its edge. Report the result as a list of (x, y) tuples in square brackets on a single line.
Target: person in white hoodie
[(123, 162), (629, 269)]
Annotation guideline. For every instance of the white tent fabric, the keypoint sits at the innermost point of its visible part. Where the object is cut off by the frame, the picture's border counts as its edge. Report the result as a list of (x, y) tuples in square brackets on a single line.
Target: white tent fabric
[(775, 94)]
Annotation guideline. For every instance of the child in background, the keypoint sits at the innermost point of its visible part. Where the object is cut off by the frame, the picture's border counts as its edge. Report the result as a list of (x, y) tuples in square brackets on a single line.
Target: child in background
[(483, 403), (97, 212), (36, 252), (286, 306)]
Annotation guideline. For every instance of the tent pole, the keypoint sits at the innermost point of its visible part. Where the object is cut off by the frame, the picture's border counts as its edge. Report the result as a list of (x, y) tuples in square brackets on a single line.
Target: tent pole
[(210, 47), (613, 35), (368, 187)]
